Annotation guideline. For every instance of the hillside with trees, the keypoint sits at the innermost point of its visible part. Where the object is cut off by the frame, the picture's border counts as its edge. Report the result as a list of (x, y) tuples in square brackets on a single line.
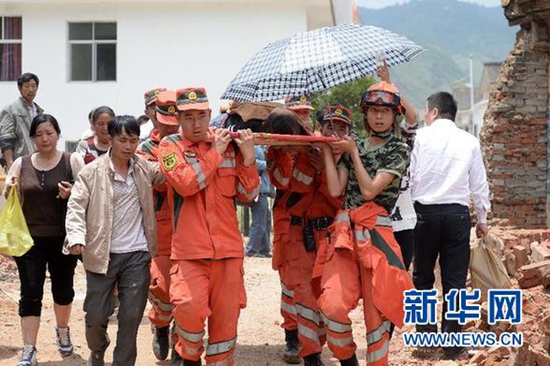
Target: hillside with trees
[(450, 31)]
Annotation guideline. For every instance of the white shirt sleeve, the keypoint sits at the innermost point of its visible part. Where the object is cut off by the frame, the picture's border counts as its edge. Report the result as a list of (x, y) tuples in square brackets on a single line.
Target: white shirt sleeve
[(479, 187), (412, 165)]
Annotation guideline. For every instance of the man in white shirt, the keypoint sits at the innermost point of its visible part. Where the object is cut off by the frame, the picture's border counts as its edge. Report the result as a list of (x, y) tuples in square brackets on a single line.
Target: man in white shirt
[(446, 170)]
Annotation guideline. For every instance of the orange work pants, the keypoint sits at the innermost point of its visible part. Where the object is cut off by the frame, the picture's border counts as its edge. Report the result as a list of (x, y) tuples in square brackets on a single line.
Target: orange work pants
[(160, 313), (311, 333), (343, 283), (201, 290), (280, 262)]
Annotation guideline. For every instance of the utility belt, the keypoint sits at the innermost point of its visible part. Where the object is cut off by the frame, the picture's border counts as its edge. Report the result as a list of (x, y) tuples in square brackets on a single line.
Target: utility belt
[(319, 224)]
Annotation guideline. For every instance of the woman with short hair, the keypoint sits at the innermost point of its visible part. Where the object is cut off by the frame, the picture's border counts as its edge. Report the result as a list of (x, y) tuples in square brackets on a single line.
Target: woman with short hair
[(44, 181)]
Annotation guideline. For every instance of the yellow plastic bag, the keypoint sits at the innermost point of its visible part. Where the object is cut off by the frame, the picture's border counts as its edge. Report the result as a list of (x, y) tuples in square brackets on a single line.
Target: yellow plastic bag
[(15, 239), (486, 268)]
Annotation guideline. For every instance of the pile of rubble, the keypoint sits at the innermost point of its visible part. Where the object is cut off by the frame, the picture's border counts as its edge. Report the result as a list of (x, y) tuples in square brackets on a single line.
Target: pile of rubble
[(526, 257), (8, 269)]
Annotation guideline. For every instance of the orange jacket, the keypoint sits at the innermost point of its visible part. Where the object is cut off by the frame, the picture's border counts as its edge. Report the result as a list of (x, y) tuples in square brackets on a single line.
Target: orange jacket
[(203, 186), (294, 175), (279, 167), (149, 149), (323, 204), (374, 245)]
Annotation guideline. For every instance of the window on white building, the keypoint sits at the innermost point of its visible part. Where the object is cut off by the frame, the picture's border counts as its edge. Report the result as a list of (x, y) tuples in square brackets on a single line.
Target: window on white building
[(10, 48), (92, 51)]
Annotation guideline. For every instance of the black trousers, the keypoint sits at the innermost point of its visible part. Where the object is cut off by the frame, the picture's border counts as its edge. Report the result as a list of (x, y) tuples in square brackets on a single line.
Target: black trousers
[(444, 231), (44, 255), (405, 239)]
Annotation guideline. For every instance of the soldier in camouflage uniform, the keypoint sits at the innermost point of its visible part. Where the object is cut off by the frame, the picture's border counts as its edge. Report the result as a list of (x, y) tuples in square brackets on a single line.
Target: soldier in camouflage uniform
[(363, 257)]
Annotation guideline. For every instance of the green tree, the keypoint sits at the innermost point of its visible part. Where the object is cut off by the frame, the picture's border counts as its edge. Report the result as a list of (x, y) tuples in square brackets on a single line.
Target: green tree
[(348, 95)]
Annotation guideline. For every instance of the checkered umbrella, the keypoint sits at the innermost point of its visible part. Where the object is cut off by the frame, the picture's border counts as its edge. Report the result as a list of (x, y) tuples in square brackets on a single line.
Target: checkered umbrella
[(317, 60)]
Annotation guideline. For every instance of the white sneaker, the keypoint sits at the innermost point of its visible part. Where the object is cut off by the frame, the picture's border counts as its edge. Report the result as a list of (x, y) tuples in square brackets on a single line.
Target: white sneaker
[(28, 358), (64, 344)]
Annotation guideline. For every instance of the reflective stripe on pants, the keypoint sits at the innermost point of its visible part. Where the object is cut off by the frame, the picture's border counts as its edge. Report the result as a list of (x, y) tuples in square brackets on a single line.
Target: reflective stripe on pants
[(201, 290), (281, 245), (337, 301), (160, 314), (300, 269)]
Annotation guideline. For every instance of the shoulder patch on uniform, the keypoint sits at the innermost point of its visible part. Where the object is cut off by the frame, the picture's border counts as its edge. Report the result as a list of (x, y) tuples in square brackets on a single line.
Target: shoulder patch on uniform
[(169, 161)]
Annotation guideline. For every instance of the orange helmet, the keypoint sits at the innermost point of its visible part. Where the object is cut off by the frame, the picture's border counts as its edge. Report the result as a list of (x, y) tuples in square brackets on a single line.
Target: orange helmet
[(382, 94)]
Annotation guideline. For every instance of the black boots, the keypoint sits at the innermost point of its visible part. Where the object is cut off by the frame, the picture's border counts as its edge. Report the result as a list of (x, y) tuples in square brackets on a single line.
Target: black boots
[(161, 342), (352, 361), (175, 359), (292, 347), (192, 363), (313, 360)]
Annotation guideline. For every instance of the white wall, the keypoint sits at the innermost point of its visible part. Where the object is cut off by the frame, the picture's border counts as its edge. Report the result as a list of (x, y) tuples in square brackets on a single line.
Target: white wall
[(479, 112), (343, 11), (171, 44)]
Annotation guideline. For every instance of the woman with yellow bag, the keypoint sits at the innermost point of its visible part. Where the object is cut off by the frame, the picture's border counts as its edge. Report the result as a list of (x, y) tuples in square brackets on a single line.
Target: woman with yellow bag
[(44, 181)]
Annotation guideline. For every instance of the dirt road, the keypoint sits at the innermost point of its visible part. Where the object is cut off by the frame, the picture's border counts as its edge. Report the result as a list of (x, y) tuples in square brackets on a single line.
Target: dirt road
[(260, 342)]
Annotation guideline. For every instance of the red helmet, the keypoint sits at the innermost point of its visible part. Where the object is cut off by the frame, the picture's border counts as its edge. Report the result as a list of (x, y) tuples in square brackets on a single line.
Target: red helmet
[(382, 94)]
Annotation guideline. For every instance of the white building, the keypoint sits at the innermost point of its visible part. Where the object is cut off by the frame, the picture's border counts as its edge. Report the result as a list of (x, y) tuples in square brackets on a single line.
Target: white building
[(91, 53), (469, 119)]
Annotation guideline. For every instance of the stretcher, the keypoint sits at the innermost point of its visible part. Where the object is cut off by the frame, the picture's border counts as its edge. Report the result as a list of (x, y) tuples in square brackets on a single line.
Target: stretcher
[(273, 139)]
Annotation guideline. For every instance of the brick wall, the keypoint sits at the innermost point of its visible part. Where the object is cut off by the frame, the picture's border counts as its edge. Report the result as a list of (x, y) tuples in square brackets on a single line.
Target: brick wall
[(514, 136)]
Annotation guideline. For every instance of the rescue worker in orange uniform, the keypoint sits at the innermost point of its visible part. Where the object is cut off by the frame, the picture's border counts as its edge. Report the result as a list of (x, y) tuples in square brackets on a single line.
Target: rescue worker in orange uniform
[(281, 227), (160, 314), (310, 218), (336, 122), (206, 172), (301, 105), (279, 167), (363, 257), (288, 164), (150, 112)]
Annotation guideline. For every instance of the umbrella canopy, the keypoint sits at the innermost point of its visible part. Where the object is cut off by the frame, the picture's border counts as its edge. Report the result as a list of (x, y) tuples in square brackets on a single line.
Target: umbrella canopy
[(317, 60)]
